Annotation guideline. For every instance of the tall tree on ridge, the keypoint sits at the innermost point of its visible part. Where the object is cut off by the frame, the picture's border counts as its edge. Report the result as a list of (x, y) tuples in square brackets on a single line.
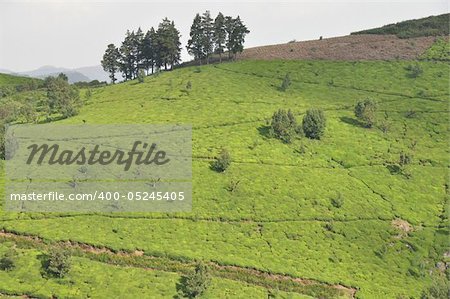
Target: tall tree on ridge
[(236, 32), (195, 44), (128, 59), (220, 35), (148, 50), (168, 44), (207, 26), (137, 51), (110, 62), (240, 31)]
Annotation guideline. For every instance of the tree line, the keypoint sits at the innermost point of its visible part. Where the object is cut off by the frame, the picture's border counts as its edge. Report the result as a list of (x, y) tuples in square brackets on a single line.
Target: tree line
[(208, 36), (161, 48), (154, 49)]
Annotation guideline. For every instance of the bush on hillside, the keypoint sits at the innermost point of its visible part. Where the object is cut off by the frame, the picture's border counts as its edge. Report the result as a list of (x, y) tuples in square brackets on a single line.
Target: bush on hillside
[(222, 162), (365, 111), (314, 123), (414, 70), (195, 283), (284, 125), (141, 76), (62, 97), (286, 83), (7, 262), (58, 263)]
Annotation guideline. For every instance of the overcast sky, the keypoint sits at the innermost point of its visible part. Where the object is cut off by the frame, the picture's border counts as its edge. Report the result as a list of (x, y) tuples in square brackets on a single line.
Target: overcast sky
[(75, 33)]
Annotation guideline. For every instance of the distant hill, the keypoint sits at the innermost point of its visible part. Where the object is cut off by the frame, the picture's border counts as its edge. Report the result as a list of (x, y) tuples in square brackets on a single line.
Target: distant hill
[(82, 74), (45, 71), (430, 26), (94, 72)]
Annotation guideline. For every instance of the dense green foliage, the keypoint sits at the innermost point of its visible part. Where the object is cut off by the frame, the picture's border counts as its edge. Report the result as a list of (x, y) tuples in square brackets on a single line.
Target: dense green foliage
[(208, 36), (286, 83), (365, 111), (58, 262), (440, 50), (284, 125), (326, 212), (7, 260), (139, 51), (433, 25), (63, 98), (314, 123), (222, 162), (196, 282)]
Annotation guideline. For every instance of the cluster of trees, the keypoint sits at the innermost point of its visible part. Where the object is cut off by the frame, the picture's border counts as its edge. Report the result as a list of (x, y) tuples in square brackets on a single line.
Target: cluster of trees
[(63, 100), (212, 36), (148, 51), (284, 125), (161, 48)]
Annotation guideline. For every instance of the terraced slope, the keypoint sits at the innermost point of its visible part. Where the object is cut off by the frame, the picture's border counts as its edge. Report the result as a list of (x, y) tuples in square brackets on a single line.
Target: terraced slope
[(384, 240)]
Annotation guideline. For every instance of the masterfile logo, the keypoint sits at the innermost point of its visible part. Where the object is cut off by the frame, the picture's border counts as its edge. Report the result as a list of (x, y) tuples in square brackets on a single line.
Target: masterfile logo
[(106, 167)]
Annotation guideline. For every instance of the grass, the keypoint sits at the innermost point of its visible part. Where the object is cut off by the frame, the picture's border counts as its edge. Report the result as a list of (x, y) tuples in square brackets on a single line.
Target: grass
[(94, 279), (11, 80), (281, 218), (440, 50)]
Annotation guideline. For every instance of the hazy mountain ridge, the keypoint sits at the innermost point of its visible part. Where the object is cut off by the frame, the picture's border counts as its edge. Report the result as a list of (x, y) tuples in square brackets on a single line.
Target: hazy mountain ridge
[(82, 74)]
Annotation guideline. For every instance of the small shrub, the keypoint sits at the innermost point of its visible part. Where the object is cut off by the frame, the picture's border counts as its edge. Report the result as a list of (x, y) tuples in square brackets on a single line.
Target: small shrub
[(338, 201), (88, 93), (329, 226), (314, 123), (414, 70), (141, 76), (222, 162), (411, 113), (385, 126), (7, 262), (365, 112), (195, 283), (58, 263), (439, 289), (284, 125), (233, 185), (286, 82), (404, 159), (189, 85)]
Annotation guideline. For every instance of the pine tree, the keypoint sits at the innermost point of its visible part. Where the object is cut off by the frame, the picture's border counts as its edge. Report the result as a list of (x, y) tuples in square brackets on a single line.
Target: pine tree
[(148, 51), (195, 45), (229, 29), (239, 32), (128, 59), (207, 26), (168, 44), (110, 62), (236, 32), (220, 35), (137, 51)]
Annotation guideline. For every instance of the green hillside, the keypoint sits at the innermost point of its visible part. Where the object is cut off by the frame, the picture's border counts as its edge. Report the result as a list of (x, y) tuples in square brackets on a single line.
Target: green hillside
[(430, 26), (440, 50), (11, 80), (333, 211)]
